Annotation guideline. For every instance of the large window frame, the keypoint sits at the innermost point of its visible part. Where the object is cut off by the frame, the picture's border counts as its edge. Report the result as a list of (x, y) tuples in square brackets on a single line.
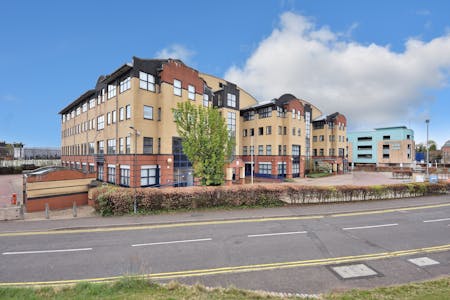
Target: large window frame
[(148, 112), (177, 87), (146, 81)]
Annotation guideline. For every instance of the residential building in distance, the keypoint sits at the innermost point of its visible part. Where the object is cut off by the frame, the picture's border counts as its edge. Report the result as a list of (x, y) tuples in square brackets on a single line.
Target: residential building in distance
[(390, 146), (124, 131), (329, 139), (445, 152)]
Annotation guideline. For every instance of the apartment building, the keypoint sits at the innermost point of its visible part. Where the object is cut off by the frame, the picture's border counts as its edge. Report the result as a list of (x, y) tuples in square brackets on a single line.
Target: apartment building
[(330, 144), (445, 151), (124, 131), (390, 146)]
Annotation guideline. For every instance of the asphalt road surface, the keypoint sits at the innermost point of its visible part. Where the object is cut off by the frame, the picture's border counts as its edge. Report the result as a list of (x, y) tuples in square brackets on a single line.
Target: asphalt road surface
[(294, 254)]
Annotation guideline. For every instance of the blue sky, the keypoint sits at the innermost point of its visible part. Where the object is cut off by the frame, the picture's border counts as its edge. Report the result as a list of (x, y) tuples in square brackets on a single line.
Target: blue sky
[(381, 63)]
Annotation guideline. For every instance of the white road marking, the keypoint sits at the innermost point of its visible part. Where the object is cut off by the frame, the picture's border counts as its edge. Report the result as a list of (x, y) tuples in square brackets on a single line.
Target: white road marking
[(436, 220), (47, 251), (279, 233), (368, 227), (171, 242)]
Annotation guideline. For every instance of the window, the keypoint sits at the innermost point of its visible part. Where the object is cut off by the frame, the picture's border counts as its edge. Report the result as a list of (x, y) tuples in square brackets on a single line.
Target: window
[(252, 150), (148, 145), (261, 131), (281, 112), (295, 150), (108, 118), (91, 103), (265, 168), (231, 100), (149, 175), (121, 146), (85, 107), (280, 130), (260, 149), (111, 146), (125, 84), (100, 147), (250, 115), (284, 150), (159, 113), (279, 149), (386, 137), (191, 92), (299, 132), (128, 112), (244, 150), (100, 122), (78, 111), (91, 148), (284, 130), (299, 115), (244, 132), (366, 156), (268, 130), (365, 147), (231, 123), (314, 152), (159, 145), (111, 173), (321, 152), (177, 87), (265, 112), (408, 136), (252, 132), (293, 131), (296, 169), (100, 171), (281, 168), (91, 168), (114, 116), (148, 112), (111, 91), (121, 114), (128, 145), (268, 149), (125, 175), (364, 138), (293, 113), (146, 81), (205, 100), (331, 152)]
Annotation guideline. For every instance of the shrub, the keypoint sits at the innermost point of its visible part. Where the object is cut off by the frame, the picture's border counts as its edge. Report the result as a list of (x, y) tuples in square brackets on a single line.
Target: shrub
[(111, 200)]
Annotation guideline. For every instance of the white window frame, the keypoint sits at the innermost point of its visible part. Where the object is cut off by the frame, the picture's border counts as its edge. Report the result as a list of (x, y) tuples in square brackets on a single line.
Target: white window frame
[(125, 84), (177, 87), (148, 112), (112, 90), (146, 81), (128, 112), (101, 122), (231, 100), (191, 92)]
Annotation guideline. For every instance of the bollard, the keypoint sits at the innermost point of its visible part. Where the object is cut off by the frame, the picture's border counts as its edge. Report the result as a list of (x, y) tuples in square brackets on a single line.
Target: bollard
[(14, 199), (21, 212), (74, 209), (47, 216)]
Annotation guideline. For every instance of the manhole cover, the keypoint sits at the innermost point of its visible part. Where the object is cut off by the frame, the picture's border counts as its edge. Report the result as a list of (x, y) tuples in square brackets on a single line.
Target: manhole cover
[(354, 271), (423, 261)]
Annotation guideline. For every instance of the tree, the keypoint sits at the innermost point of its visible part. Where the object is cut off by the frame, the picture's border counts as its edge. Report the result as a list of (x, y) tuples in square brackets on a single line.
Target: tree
[(205, 140), (432, 145)]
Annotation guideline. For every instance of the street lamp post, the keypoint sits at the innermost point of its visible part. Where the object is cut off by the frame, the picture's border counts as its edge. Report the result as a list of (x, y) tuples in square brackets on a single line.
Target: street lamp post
[(136, 134), (428, 150)]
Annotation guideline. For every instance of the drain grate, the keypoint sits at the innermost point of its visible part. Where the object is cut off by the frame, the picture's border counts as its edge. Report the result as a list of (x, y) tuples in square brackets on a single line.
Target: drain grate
[(423, 261), (354, 271)]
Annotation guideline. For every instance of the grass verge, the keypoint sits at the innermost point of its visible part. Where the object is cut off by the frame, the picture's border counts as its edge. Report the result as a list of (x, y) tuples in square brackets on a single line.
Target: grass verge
[(429, 290), (141, 288)]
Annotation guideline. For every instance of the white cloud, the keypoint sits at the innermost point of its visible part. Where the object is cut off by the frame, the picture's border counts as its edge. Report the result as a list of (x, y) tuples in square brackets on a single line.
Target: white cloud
[(176, 51), (370, 84), (8, 98)]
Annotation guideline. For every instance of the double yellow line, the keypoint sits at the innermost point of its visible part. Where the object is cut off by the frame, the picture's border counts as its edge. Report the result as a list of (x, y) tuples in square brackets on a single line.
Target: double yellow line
[(247, 268), (218, 222)]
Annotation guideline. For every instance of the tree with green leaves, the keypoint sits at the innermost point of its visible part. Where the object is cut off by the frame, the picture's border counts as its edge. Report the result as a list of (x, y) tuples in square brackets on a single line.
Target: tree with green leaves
[(205, 139)]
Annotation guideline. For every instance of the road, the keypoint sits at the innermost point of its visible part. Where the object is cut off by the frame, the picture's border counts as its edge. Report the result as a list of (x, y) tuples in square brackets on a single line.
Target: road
[(291, 253)]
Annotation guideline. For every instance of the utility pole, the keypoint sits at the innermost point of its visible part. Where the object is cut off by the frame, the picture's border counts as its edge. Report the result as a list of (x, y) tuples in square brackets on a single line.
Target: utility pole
[(136, 134), (428, 150)]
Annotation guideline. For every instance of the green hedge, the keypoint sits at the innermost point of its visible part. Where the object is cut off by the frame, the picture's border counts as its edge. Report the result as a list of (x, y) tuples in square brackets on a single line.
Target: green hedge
[(113, 200), (10, 170)]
